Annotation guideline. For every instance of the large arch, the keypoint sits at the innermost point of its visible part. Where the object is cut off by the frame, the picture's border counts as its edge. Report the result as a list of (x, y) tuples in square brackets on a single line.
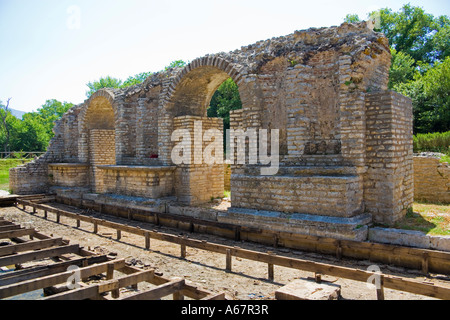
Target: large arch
[(192, 88), (97, 144), (185, 101)]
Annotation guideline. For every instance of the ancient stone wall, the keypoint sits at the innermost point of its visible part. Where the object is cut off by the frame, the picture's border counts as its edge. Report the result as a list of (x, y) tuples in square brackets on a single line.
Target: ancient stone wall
[(196, 181), (69, 175), (345, 142), (101, 152), (431, 179), (389, 179), (138, 181)]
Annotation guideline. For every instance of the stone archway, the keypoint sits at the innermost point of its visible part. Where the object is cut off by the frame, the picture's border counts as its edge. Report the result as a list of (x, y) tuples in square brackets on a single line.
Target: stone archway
[(97, 145), (187, 100)]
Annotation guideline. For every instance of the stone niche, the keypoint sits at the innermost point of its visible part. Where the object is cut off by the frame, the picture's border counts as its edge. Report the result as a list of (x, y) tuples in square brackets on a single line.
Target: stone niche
[(345, 141)]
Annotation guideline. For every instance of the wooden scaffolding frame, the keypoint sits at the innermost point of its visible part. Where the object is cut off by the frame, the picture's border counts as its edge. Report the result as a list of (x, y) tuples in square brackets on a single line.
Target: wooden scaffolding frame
[(86, 263), (271, 259)]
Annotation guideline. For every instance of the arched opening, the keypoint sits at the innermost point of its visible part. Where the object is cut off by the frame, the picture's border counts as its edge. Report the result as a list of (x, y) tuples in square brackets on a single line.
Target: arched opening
[(99, 125), (225, 99), (203, 93)]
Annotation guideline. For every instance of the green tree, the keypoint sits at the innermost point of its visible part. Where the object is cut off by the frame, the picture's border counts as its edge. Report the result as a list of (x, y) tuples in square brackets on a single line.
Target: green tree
[(352, 18), (225, 99), (403, 68), (430, 96), (50, 112), (106, 82), (29, 134), (136, 79), (416, 33), (175, 64), (115, 83), (6, 128)]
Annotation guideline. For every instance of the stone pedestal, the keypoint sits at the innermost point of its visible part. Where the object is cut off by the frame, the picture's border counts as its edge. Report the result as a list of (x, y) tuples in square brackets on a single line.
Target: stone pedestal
[(308, 290)]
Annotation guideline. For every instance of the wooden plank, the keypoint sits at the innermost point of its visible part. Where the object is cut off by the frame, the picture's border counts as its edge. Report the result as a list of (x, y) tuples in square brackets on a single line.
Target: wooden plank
[(6, 223), (215, 296), (42, 271), (17, 233), (93, 291), (51, 280), (37, 255), (31, 245), (9, 227), (158, 292), (228, 261)]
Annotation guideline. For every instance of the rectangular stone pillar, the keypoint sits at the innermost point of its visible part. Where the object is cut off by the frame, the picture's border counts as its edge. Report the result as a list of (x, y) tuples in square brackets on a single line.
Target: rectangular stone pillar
[(101, 152), (197, 181), (388, 186)]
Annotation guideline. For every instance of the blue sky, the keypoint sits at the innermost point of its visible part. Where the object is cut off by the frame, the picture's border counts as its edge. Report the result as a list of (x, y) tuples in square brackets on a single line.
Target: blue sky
[(50, 49)]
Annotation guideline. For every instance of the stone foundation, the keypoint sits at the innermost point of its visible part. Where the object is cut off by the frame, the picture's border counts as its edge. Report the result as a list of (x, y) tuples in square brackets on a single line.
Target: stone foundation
[(138, 181)]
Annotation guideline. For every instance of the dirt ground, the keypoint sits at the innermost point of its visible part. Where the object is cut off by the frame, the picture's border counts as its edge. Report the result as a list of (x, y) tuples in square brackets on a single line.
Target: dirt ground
[(248, 279)]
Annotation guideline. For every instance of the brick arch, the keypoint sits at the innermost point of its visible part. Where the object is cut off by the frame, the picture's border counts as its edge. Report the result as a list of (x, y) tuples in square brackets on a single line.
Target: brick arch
[(102, 97), (190, 90), (98, 112)]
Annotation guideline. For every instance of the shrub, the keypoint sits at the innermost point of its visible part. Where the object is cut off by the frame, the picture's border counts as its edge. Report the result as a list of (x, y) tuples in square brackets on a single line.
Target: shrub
[(432, 142)]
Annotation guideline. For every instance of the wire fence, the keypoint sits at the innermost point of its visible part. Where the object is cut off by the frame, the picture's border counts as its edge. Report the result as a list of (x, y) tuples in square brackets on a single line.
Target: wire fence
[(20, 154)]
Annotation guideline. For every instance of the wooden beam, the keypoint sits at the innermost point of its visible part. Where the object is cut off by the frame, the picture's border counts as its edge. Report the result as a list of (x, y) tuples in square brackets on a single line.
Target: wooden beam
[(158, 292), (228, 261), (9, 227), (42, 271), (38, 255), (90, 292), (30, 245), (48, 281), (215, 296), (6, 223), (17, 233)]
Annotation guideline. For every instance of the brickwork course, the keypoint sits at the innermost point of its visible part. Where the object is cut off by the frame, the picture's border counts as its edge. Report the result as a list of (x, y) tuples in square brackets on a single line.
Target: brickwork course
[(345, 140)]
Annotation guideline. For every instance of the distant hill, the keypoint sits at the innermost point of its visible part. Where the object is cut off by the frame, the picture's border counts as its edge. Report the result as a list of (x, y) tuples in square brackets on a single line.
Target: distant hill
[(17, 113)]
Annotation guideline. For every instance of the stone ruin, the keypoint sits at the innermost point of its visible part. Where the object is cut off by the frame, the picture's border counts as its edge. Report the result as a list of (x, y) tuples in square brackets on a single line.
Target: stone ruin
[(345, 141)]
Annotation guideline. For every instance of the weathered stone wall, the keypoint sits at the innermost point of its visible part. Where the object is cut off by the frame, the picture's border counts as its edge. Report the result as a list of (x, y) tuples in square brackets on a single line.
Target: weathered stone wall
[(69, 174), (197, 182), (388, 191), (318, 195), (101, 152), (431, 180), (138, 181), (345, 141)]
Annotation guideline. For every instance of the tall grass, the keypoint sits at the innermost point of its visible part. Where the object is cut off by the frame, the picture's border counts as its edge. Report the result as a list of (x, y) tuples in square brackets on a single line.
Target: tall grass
[(432, 142), (5, 165)]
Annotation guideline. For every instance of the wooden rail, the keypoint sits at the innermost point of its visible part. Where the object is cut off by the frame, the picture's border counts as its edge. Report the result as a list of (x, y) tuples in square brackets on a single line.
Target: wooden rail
[(413, 258), (388, 281)]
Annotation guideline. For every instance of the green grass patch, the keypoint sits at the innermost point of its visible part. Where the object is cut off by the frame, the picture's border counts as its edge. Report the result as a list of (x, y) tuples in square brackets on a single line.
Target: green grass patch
[(227, 194), (433, 219), (5, 165), (445, 158)]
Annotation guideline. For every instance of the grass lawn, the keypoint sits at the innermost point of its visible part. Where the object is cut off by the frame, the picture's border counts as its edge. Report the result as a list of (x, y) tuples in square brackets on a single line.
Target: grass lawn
[(433, 219), (5, 165)]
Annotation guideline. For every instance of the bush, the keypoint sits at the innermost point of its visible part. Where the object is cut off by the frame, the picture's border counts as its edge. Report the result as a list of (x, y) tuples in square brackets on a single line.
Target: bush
[(432, 142)]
